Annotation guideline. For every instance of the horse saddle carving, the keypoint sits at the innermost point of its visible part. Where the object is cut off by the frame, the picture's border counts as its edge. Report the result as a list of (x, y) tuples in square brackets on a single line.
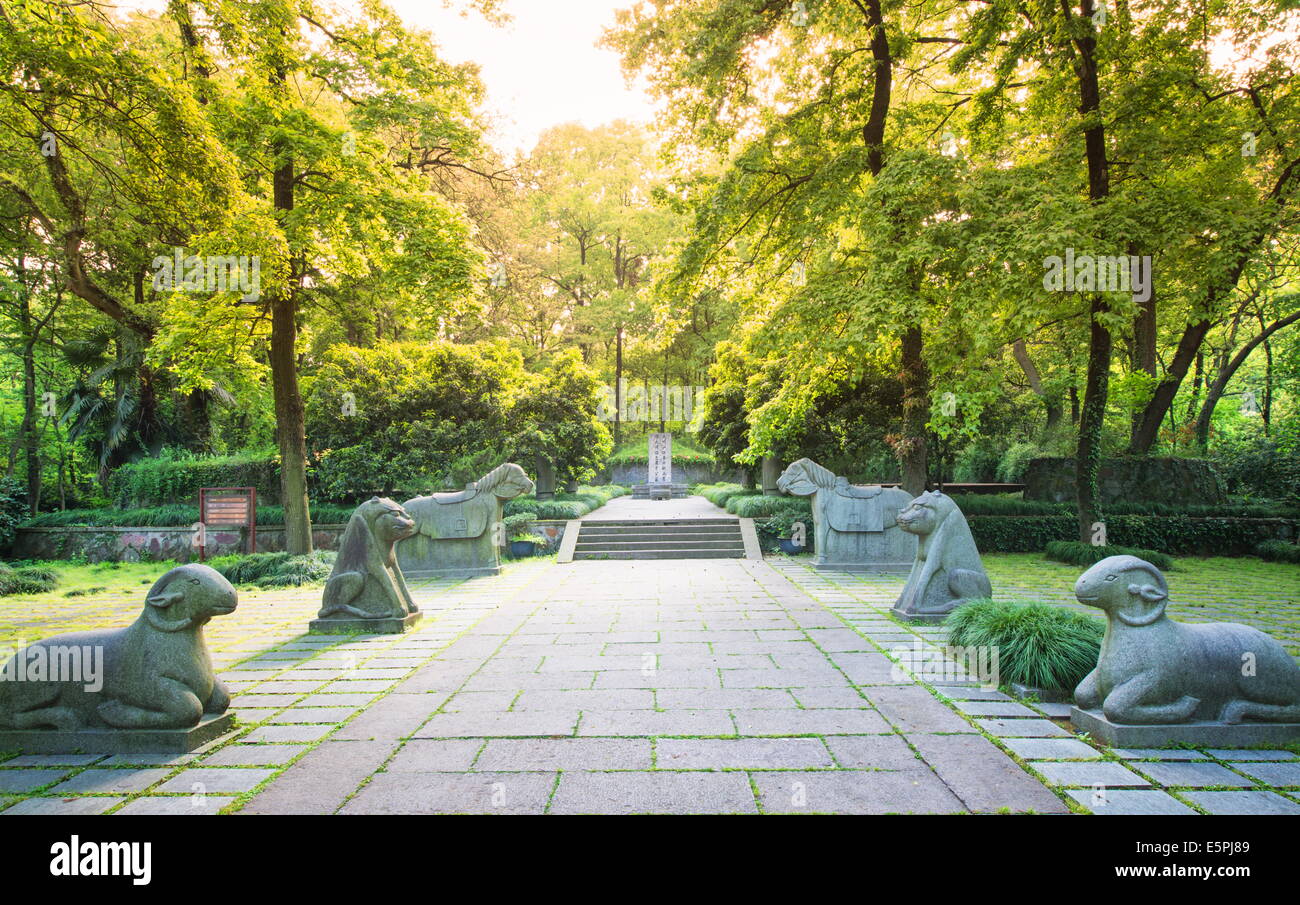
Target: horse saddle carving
[(854, 508), (462, 513)]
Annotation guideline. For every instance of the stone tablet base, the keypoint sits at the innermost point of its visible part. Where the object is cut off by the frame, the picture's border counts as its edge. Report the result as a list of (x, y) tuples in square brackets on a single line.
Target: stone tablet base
[(893, 568), (117, 741), (1045, 695), (422, 575), (1200, 735), (386, 626), (920, 618)]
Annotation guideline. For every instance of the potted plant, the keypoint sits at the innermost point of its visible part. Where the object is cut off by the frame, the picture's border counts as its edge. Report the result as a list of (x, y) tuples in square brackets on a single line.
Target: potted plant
[(522, 545)]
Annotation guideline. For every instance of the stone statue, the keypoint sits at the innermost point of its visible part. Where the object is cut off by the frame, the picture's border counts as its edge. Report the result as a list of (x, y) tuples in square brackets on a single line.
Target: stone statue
[(367, 583), (947, 571), (854, 526), (1153, 671), (454, 536), (153, 674)]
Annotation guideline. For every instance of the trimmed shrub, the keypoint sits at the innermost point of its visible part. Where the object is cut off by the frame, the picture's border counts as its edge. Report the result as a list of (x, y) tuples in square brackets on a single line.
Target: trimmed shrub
[(1038, 645), (1278, 551), (169, 480), (1077, 553), (565, 505), (275, 570), (515, 524), (26, 579), (720, 494), (174, 517), (1175, 535)]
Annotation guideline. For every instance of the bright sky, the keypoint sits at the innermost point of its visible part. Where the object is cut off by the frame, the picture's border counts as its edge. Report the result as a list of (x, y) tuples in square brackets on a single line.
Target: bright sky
[(541, 69)]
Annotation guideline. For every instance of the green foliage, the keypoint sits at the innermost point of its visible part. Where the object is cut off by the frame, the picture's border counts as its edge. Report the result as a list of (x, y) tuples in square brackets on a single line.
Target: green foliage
[(25, 579), (761, 506), (1278, 551), (1038, 645), (275, 570), (13, 509), (172, 517), (515, 524), (1077, 553), (565, 505), (1174, 535), (977, 463), (720, 494), (685, 452), (556, 420), (1264, 467), (1015, 462), (176, 477)]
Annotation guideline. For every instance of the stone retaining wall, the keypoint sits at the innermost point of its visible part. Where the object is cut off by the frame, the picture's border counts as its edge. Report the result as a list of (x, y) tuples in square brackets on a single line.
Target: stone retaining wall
[(1183, 482), (135, 544)]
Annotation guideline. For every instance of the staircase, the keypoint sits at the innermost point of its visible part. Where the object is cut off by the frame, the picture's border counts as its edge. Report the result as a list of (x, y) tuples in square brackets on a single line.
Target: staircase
[(702, 538)]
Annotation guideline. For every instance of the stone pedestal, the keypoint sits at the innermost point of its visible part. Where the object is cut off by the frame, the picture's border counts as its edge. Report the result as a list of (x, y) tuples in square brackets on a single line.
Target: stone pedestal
[(771, 475), (545, 479), (387, 625), (1199, 735), (117, 741)]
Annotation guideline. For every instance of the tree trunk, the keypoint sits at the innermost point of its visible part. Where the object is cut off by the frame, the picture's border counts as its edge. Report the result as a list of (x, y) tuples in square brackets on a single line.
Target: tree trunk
[(1143, 358), (1220, 384), (290, 421), (618, 389), (1097, 383), (1053, 406), (912, 450), (30, 430)]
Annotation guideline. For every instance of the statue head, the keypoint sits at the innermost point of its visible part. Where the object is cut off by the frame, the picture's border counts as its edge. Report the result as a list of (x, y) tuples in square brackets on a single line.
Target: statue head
[(1130, 589), (804, 477), (388, 521), (188, 596), (925, 513)]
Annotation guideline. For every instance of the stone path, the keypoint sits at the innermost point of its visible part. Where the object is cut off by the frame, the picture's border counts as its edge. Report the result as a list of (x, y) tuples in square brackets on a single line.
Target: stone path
[(627, 687), (626, 508), (1098, 779)]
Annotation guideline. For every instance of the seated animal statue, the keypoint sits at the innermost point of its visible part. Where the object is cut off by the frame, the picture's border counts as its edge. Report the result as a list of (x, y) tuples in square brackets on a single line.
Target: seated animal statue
[(947, 571), (367, 582), (154, 674), (452, 530), (854, 526), (1153, 670)]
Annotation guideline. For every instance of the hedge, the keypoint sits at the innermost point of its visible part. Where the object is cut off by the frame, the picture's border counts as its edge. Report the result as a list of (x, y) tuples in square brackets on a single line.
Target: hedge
[(1175, 535), (167, 481), (172, 517), (565, 505)]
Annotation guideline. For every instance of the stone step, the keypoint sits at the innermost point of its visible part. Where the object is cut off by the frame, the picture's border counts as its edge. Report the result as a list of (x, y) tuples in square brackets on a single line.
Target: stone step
[(681, 544), (665, 522), (587, 537), (661, 554)]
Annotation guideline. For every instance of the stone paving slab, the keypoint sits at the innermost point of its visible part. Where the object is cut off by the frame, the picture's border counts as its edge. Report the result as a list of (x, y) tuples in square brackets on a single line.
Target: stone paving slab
[(654, 793), (1244, 803), (1125, 802), (1183, 774)]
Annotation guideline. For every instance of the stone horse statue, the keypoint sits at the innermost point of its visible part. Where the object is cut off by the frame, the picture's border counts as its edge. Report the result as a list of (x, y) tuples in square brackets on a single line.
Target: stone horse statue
[(454, 535), (855, 527)]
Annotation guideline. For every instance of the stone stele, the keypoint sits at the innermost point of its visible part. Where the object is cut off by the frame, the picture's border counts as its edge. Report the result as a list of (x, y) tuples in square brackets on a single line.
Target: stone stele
[(455, 534), (1161, 682), (146, 687), (947, 571), (367, 592), (855, 527)]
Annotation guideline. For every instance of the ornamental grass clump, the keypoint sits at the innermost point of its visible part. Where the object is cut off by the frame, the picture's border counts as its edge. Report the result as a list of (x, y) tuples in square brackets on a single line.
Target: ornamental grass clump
[(1038, 645)]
